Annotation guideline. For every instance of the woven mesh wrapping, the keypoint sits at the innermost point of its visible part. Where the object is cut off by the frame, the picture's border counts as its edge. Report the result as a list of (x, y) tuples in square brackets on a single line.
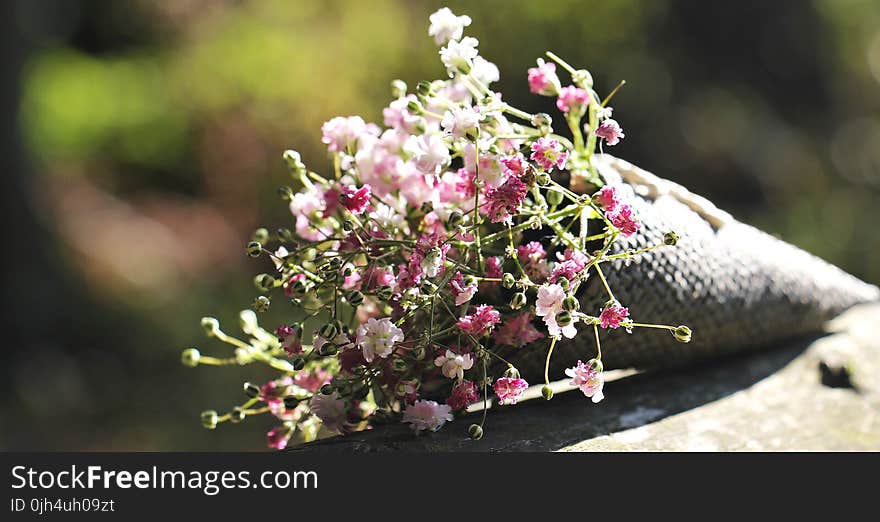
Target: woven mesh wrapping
[(738, 288)]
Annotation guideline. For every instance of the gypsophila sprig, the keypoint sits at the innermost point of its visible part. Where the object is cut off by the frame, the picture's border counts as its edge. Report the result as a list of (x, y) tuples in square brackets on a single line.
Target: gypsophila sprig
[(412, 264)]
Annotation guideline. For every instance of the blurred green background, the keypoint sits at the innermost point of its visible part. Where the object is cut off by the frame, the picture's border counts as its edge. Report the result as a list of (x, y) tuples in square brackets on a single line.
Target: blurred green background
[(144, 138)]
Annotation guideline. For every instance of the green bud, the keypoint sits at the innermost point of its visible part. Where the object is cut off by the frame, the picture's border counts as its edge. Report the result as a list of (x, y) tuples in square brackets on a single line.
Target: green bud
[(384, 293), (260, 235), (209, 419), (285, 193), (511, 372), (518, 300), (347, 225), (261, 303), (254, 249), (190, 357), (310, 254), (507, 280), (284, 234), (547, 392), (211, 326), (328, 349), (414, 107), (423, 88), (542, 121), (264, 282), (595, 365), (475, 431), (570, 303), (347, 271), (251, 390), (563, 318), (328, 389), (554, 197), (242, 356), (335, 262), (427, 207), (682, 334), (291, 402), (582, 78), (399, 365), (298, 362), (670, 238), (455, 219), (294, 161), (564, 283), (354, 298), (419, 353), (398, 88), (542, 178), (237, 415), (328, 331)]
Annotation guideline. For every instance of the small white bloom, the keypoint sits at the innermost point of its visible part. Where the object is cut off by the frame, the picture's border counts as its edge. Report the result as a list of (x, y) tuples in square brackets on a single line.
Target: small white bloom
[(604, 112), (432, 262), (460, 121), (454, 365), (459, 56), (548, 304), (484, 71), (446, 26), (278, 258), (377, 338), (427, 415), (429, 152), (387, 217)]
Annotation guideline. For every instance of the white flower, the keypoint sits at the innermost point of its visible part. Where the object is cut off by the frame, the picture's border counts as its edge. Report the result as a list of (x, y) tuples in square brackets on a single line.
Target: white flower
[(548, 304), (446, 26), (460, 121), (377, 338), (427, 415), (429, 152), (484, 71), (454, 365), (604, 112), (330, 409), (278, 258), (432, 262), (386, 217), (459, 56)]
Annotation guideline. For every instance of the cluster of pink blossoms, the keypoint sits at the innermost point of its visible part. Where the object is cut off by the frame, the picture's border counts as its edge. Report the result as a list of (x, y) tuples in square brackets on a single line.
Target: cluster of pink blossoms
[(437, 251)]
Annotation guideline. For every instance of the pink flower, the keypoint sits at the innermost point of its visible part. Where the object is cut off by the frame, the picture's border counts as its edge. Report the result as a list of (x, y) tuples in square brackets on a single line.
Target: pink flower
[(356, 200), (543, 79), (453, 365), (290, 341), (549, 153), (510, 389), (494, 267), (588, 380), (482, 321), (278, 436), (505, 200), (548, 304), (332, 411), (397, 116), (515, 165), (463, 395), (531, 252), (312, 380), (427, 415), (569, 265), (624, 220), (377, 338), (613, 315), (462, 292), (608, 198), (572, 99), (610, 130), (340, 133), (428, 256), (518, 332)]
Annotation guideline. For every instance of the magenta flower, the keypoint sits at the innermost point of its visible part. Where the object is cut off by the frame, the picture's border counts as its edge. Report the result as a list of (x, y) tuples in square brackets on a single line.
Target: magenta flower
[(278, 436), (510, 389), (505, 200), (588, 380), (427, 415), (613, 315), (312, 380), (608, 198), (514, 165), (532, 251), (356, 200), (494, 267), (569, 265), (290, 341), (572, 99), (543, 79), (549, 153), (518, 332), (482, 321), (463, 395), (462, 292), (624, 220), (610, 130)]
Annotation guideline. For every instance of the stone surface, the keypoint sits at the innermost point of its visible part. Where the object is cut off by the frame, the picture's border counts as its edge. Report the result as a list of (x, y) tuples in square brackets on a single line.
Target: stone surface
[(821, 393)]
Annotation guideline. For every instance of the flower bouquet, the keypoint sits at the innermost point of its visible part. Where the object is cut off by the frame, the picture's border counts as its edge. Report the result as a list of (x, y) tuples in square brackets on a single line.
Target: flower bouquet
[(467, 249)]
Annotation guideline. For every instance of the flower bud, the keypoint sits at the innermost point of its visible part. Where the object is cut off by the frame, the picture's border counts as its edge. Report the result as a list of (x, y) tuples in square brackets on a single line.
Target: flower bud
[(261, 303), (423, 88), (535, 223), (595, 365), (209, 419), (335, 263), (507, 280), (398, 89), (328, 350), (563, 318), (582, 78), (237, 415), (547, 392), (251, 390), (328, 331), (284, 234), (542, 178), (254, 249), (419, 353), (190, 357), (347, 271), (242, 356), (264, 282), (475, 432), (455, 219), (347, 225), (518, 300), (670, 238), (260, 235), (427, 207), (294, 161), (682, 334), (354, 298), (542, 121), (291, 402), (328, 389), (211, 326), (564, 283), (511, 372), (554, 197), (298, 362), (285, 193), (414, 107), (384, 293), (310, 254), (398, 365), (570, 303)]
